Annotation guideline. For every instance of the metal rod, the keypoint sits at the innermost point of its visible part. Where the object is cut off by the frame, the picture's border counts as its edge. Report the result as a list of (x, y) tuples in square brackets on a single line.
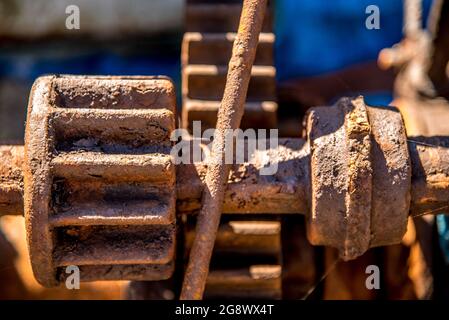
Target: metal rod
[(229, 117), (285, 194), (412, 18)]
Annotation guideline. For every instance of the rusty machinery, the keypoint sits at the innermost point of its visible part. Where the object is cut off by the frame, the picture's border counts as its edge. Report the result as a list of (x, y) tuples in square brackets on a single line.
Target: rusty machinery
[(421, 93), (421, 58), (98, 189), (211, 30)]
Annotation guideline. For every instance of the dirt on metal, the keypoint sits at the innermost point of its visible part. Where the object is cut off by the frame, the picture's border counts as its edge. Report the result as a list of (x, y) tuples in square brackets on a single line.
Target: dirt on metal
[(78, 222), (350, 153), (229, 117), (11, 180), (99, 184), (206, 51)]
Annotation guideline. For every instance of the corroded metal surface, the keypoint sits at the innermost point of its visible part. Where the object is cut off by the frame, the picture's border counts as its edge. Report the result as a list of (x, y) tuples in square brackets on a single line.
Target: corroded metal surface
[(206, 50), (430, 191), (247, 190), (391, 176), (11, 180), (99, 185), (229, 118), (78, 212), (352, 180), (246, 261), (421, 93)]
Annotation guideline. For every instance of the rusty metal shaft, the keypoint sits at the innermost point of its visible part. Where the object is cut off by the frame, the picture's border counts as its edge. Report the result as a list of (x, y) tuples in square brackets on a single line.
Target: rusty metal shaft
[(284, 193), (430, 175), (229, 118), (247, 191)]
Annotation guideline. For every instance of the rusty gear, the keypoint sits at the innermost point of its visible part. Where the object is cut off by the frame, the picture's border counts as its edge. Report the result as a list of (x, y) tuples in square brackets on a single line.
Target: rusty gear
[(206, 50), (99, 181), (66, 217), (246, 262)]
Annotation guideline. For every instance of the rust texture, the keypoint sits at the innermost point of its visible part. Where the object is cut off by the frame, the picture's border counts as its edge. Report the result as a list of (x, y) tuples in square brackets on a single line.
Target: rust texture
[(99, 183), (246, 258), (206, 50), (345, 159), (229, 116), (430, 188), (92, 218), (421, 94), (11, 180), (247, 190)]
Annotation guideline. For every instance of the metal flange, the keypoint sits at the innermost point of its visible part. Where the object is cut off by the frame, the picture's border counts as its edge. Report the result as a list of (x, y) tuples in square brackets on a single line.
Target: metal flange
[(360, 176)]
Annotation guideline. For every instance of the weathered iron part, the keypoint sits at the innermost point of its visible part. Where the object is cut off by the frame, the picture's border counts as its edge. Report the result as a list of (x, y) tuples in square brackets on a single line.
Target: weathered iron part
[(11, 180), (207, 83), (256, 282), (216, 48), (246, 261), (229, 118), (250, 192), (257, 114), (424, 117), (360, 177), (414, 36), (411, 58), (430, 190), (206, 50), (99, 184), (425, 112)]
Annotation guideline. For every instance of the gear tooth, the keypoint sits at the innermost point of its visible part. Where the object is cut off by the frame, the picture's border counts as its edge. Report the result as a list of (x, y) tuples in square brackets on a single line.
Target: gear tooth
[(206, 50), (100, 184), (247, 251), (246, 262)]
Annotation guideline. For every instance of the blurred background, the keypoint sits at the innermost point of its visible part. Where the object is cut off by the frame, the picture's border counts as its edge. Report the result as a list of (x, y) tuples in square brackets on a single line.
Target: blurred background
[(322, 51)]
